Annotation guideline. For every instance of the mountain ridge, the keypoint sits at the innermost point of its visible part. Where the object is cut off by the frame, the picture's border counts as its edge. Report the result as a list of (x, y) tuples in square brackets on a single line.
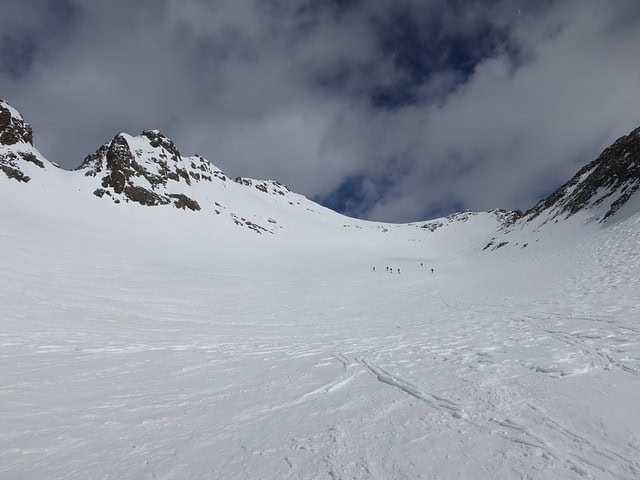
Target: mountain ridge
[(614, 173), (148, 169)]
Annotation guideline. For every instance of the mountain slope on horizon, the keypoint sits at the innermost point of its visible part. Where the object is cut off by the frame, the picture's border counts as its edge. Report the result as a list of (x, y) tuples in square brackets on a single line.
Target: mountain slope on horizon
[(604, 186), (149, 170)]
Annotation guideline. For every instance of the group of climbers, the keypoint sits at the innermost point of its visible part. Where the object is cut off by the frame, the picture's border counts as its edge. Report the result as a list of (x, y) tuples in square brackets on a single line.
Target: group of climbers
[(397, 270)]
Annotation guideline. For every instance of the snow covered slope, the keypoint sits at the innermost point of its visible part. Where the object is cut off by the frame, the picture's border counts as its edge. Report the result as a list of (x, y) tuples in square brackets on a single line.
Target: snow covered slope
[(158, 342)]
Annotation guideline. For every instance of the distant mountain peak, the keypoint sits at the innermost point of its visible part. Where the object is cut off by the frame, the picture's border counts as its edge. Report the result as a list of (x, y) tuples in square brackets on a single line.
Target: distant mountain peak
[(603, 186), (603, 191)]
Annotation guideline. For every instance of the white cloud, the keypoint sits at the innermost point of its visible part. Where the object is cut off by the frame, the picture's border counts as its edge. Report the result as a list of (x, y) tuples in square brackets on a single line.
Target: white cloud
[(512, 130), (281, 89)]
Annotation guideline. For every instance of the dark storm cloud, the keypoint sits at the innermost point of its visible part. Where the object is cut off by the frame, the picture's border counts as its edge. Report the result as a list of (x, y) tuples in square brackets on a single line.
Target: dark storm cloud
[(394, 110), (24, 34)]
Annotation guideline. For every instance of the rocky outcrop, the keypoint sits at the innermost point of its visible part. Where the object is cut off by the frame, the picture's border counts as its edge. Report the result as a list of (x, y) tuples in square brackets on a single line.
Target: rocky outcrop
[(16, 145), (184, 202), (147, 169), (13, 129)]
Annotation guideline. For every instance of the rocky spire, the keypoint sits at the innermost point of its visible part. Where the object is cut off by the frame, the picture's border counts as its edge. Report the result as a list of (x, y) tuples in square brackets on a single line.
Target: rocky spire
[(13, 128), (17, 154)]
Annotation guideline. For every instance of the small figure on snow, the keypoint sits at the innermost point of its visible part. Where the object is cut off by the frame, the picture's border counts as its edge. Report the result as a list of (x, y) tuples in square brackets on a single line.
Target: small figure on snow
[(432, 270), (398, 271), (374, 269)]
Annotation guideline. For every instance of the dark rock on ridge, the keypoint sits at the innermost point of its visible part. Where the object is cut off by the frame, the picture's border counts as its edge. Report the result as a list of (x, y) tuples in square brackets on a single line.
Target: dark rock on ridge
[(182, 201), (614, 175), (144, 176), (16, 133), (13, 129)]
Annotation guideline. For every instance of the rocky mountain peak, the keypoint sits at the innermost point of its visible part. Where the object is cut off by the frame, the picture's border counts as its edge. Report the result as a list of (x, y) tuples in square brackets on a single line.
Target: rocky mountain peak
[(18, 157), (13, 128), (603, 186), (146, 169), (157, 139)]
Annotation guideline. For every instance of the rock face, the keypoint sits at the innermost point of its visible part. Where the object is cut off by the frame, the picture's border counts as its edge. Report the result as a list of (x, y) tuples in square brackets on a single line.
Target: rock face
[(16, 144), (147, 169), (13, 128), (603, 186)]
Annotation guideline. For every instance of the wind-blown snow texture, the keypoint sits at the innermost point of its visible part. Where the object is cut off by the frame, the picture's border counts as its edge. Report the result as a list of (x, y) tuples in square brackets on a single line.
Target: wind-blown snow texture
[(252, 339)]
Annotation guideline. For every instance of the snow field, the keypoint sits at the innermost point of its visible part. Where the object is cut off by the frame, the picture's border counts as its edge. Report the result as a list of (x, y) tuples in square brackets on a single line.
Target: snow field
[(150, 343)]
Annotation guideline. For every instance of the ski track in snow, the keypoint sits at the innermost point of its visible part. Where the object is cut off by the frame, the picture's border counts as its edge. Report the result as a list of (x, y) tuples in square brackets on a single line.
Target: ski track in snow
[(432, 400)]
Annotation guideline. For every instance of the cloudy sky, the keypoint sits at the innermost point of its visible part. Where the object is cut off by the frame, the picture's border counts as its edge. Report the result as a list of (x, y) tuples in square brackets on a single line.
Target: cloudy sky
[(395, 110)]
